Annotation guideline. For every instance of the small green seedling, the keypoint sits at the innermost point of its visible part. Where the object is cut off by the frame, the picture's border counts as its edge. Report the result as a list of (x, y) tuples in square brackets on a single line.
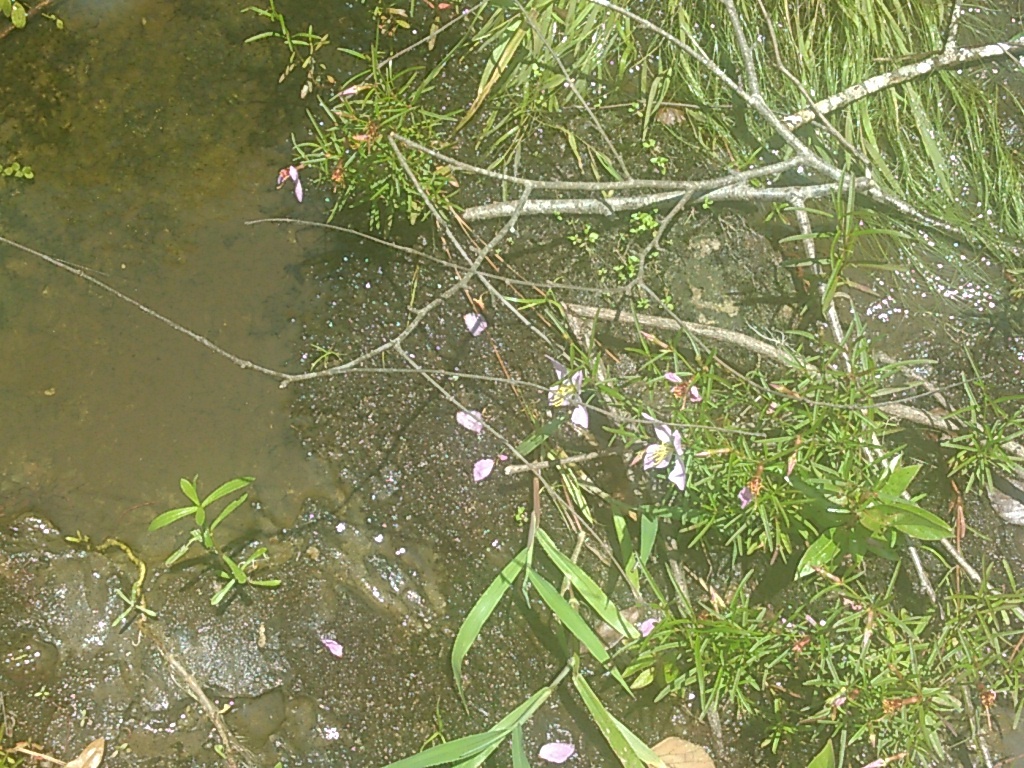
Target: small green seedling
[(202, 533)]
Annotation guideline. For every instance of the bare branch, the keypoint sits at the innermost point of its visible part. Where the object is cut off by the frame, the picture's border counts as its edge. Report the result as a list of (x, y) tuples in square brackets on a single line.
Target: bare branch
[(945, 60)]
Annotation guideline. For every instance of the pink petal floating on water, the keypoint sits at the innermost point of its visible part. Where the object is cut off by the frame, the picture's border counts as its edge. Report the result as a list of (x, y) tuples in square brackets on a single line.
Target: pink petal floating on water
[(675, 378), (745, 496), (298, 190), (695, 395), (482, 469), (293, 173), (475, 324), (333, 646), (471, 420), (556, 751)]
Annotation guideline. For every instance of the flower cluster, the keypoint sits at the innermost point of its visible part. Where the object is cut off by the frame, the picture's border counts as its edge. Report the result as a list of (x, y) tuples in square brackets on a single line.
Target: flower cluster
[(566, 392)]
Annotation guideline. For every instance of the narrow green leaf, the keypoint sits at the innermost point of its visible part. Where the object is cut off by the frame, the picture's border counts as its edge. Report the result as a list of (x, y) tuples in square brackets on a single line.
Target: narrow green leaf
[(822, 552), (481, 611), (648, 536), (225, 488), (236, 573), (826, 758), (606, 163), (179, 553), (608, 725), (900, 479), (170, 516), (587, 588), (450, 751), (221, 593), (494, 69), (519, 758), (539, 436), (231, 507), (524, 711), (920, 523), (479, 758), (570, 619), (188, 487), (642, 680), (260, 36)]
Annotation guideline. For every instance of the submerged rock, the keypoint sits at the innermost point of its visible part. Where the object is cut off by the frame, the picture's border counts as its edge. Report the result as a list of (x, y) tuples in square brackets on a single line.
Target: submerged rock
[(70, 675)]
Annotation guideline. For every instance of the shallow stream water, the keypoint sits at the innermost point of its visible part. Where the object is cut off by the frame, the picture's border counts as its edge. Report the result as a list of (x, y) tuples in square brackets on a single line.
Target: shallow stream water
[(154, 135)]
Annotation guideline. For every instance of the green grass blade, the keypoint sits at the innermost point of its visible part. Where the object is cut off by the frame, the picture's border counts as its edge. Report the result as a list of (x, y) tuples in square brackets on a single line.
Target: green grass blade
[(648, 536), (587, 588), (471, 751), (451, 751), (481, 611), (524, 711), (610, 727), (570, 619), (826, 758), (539, 436), (519, 758), (478, 759)]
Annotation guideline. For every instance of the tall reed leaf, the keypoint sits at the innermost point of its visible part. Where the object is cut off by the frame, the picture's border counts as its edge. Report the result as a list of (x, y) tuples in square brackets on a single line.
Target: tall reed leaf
[(481, 612), (587, 588), (631, 751)]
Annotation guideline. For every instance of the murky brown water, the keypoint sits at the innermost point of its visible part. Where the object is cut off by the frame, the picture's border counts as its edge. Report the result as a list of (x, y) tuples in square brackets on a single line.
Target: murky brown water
[(154, 135)]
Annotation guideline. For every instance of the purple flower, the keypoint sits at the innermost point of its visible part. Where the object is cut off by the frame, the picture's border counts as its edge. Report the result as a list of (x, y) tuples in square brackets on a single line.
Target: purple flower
[(567, 393), (692, 395), (333, 646), (291, 172), (647, 626), (668, 450)]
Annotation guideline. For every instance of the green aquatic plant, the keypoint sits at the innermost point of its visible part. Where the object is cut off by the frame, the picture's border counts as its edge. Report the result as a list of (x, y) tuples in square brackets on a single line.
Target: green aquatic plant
[(239, 572), (17, 170), (14, 12)]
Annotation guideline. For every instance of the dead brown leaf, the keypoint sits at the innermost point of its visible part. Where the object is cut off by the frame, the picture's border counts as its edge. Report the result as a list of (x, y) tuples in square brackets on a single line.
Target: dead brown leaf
[(679, 753), (91, 756)]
